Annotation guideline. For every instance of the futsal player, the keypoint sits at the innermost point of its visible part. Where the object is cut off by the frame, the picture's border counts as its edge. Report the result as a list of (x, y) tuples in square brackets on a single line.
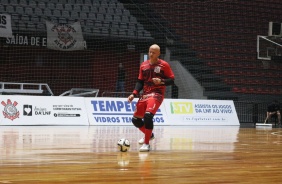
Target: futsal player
[(154, 75)]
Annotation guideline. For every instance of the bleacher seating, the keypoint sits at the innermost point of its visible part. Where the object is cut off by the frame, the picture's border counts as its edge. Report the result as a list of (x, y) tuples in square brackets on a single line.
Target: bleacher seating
[(78, 10), (224, 36)]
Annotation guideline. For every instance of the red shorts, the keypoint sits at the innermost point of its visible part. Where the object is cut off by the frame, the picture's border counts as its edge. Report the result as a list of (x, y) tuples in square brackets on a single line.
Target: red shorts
[(150, 104)]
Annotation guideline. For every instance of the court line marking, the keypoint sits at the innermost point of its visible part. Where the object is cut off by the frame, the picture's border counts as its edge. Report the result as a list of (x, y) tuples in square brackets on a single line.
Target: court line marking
[(279, 133)]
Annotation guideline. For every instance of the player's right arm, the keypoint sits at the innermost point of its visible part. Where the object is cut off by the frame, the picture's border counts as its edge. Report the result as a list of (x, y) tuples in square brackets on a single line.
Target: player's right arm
[(138, 87)]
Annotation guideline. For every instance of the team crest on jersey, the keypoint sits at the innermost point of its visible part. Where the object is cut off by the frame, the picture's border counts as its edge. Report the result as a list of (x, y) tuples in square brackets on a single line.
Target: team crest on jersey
[(157, 69), (10, 110)]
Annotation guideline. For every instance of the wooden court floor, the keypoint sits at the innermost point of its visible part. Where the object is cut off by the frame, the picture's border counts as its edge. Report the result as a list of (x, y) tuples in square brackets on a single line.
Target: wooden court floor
[(181, 154)]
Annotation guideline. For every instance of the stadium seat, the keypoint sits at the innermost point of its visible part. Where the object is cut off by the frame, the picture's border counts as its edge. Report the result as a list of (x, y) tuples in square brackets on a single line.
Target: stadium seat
[(63, 1), (57, 13), (41, 27), (122, 33), (120, 6), (88, 2), (71, 2), (19, 10), (89, 23), (96, 4), (23, 2), (77, 8), (47, 12), (22, 26), (102, 10), (110, 11), (59, 7), (68, 7), (125, 19), (38, 11), (87, 30), (2, 8), (133, 19), (85, 8), (123, 26), (83, 16), (54, 19), (131, 34), (41, 5), (65, 14), (100, 17), (51, 6), (14, 2), (132, 26), (79, 2), (93, 9), (112, 5), (28, 11), (74, 15), (31, 26), (126, 12), (25, 18), (118, 11), (15, 25), (108, 18), (63, 20), (117, 18), (96, 31), (105, 31), (4, 2), (114, 32), (115, 25), (98, 24), (92, 16)]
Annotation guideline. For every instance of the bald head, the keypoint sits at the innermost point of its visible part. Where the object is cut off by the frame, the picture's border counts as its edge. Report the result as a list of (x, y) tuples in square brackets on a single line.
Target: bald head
[(154, 53), (156, 47)]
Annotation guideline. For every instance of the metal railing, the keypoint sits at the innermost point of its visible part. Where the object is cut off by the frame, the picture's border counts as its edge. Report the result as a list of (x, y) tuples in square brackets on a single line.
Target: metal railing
[(81, 92), (25, 88)]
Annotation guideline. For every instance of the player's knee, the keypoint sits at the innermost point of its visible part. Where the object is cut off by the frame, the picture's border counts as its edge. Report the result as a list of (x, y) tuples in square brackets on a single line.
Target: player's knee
[(137, 122), (148, 120)]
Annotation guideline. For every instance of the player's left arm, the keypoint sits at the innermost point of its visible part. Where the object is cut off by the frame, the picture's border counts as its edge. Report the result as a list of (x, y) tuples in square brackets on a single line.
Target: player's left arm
[(169, 80)]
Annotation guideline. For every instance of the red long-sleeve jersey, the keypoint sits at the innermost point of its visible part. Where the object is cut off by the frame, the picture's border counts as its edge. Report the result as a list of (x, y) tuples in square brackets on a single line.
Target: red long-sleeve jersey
[(160, 70)]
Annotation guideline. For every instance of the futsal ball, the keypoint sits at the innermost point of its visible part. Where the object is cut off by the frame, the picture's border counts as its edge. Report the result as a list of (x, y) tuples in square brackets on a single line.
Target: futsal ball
[(123, 145)]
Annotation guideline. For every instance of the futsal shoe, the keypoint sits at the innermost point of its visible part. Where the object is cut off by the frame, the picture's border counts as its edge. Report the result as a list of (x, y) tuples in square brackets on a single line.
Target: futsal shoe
[(141, 141), (145, 148)]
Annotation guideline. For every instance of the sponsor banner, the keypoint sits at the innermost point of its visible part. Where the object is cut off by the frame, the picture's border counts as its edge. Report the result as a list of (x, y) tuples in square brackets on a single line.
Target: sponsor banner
[(64, 37), (5, 26), (42, 110), (201, 112), (116, 111)]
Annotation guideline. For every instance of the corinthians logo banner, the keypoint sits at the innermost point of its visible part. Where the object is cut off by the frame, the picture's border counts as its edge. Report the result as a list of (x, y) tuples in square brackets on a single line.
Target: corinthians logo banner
[(64, 37)]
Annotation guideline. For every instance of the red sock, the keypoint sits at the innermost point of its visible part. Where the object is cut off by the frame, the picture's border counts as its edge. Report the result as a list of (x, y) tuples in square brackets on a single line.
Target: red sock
[(148, 134), (142, 129)]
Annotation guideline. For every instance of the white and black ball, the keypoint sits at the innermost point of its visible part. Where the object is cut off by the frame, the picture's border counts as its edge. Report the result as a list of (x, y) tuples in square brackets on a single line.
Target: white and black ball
[(123, 145)]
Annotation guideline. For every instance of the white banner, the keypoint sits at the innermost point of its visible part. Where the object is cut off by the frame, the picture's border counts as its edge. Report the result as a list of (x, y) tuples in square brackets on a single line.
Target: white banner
[(64, 37), (5, 26), (46, 110), (116, 111), (42, 110), (201, 112)]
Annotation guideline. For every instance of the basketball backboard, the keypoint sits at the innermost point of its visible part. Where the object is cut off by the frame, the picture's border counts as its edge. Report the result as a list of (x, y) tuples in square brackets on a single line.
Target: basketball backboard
[(269, 47)]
